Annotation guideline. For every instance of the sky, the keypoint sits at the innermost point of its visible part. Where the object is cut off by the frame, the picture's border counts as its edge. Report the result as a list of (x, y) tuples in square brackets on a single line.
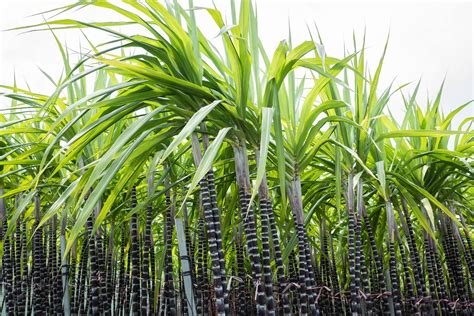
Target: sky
[(429, 40)]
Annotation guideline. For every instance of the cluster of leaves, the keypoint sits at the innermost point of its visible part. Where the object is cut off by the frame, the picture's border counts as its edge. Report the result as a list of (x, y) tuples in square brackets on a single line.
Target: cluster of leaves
[(124, 116)]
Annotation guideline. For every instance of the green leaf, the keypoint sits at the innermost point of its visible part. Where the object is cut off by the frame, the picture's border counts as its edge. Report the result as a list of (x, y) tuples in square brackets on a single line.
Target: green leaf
[(21, 130), (206, 162), (267, 118), (409, 184), (100, 189), (429, 210), (421, 133), (193, 122)]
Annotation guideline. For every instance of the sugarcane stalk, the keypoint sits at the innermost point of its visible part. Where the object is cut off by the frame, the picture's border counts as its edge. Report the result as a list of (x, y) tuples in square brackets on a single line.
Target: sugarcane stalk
[(211, 231), (66, 299), (354, 289)]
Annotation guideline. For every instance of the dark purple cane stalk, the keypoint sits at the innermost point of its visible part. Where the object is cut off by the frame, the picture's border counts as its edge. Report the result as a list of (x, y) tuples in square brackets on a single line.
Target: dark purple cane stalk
[(335, 282), (94, 267), (200, 271), (110, 270), (189, 244), (352, 267), (284, 301), (81, 277), (168, 292), (303, 272), (282, 298), (248, 218), (38, 286), (293, 279), (205, 278), (431, 298), (467, 295), (153, 276), (267, 271), (326, 302), (468, 249), (354, 290), (3, 208), (218, 231), (266, 228), (247, 214), (242, 304), (311, 285), (55, 285), (8, 259), (378, 284), (360, 274), (344, 271), (414, 254), (307, 288), (216, 217), (146, 293), (410, 300), (442, 293), (135, 257), (101, 272), (23, 286), (19, 271), (394, 280), (211, 215), (455, 265), (365, 287), (127, 283), (121, 275), (215, 262), (7, 271), (361, 267), (47, 268)]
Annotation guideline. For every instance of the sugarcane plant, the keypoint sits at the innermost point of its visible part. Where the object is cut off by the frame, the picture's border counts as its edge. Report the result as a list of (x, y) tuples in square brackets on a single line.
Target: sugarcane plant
[(173, 174)]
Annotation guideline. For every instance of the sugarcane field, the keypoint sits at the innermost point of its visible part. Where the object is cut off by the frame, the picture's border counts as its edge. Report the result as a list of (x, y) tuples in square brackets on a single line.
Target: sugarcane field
[(166, 174)]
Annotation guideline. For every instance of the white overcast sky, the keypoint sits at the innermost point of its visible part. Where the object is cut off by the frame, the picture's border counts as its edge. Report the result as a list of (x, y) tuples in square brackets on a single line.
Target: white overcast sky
[(428, 39)]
